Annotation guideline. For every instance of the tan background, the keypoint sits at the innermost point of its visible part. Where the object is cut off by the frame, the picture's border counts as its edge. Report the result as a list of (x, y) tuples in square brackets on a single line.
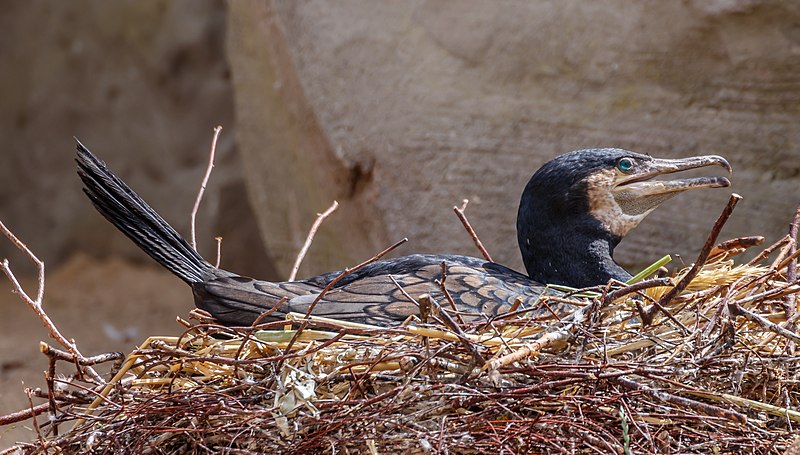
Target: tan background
[(397, 109)]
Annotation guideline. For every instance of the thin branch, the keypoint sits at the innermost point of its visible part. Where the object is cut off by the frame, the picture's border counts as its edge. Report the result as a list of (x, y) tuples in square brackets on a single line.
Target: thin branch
[(219, 251), (403, 291), (737, 244), (203, 184), (46, 349), (705, 408), (311, 233), (36, 304), (789, 305), (447, 295), (648, 315), (461, 216), (636, 287), (768, 250), (737, 309), (330, 286), (29, 393), (348, 271), (24, 414), (452, 325)]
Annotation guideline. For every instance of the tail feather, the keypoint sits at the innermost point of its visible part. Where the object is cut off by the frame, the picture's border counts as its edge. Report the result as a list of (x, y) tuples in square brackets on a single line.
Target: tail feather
[(131, 215)]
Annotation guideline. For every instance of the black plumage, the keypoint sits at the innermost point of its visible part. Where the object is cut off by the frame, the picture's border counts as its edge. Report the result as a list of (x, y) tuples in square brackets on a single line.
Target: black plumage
[(573, 212)]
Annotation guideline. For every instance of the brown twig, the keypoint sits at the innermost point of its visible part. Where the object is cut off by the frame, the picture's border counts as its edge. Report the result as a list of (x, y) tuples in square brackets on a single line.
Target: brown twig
[(203, 184), (447, 296), (330, 286), (310, 237), (636, 287), (649, 314), (219, 251), (24, 414), (452, 325), (739, 243), (58, 354), (790, 302), (737, 309), (463, 217), (528, 350), (29, 393), (768, 250), (36, 304), (707, 409)]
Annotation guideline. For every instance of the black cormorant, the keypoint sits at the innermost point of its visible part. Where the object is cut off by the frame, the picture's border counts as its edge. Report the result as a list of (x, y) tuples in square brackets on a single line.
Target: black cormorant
[(574, 210)]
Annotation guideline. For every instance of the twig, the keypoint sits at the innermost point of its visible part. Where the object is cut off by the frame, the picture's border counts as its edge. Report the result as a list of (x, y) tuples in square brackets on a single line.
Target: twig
[(752, 404), (768, 250), (203, 184), (327, 289), (403, 291), (528, 350), (103, 394), (29, 393), (736, 308), (789, 304), (636, 287), (707, 409), (24, 414), (348, 271), (649, 314), (461, 216), (452, 325), (311, 233), (36, 304), (739, 243), (449, 297), (58, 354), (49, 378), (219, 251)]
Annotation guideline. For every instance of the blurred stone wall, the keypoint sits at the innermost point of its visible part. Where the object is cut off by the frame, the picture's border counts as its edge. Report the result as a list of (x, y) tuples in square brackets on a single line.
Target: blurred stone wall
[(401, 109), (397, 109), (142, 84)]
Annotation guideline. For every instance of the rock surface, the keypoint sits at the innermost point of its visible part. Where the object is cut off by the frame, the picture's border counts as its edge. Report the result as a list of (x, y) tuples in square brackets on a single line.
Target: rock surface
[(142, 84), (401, 109)]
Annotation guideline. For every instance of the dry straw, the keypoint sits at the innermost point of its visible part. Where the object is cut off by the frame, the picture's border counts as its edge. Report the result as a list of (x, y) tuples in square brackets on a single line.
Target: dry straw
[(718, 375)]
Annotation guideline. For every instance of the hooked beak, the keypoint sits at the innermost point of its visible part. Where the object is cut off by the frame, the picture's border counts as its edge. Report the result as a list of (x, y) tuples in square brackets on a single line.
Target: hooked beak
[(636, 192)]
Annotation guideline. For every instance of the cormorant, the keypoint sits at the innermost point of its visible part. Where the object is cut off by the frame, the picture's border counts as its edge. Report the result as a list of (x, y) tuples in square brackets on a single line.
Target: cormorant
[(574, 210)]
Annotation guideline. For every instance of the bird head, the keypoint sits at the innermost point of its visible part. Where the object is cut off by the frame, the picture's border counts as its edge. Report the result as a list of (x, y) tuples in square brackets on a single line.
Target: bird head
[(581, 198)]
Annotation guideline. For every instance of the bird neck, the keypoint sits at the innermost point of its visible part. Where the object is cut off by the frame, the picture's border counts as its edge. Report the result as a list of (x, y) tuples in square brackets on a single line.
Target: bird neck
[(577, 252)]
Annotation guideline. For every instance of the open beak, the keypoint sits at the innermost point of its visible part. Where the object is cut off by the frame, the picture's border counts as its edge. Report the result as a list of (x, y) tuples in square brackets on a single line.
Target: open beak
[(637, 193)]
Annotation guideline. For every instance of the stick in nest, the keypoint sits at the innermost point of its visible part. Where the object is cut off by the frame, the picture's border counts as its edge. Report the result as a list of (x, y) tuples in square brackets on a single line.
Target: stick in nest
[(789, 304), (311, 233), (648, 314), (463, 217), (203, 184), (36, 304), (330, 286)]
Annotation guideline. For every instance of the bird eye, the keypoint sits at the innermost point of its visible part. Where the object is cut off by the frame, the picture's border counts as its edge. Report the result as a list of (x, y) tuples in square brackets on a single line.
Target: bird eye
[(625, 164)]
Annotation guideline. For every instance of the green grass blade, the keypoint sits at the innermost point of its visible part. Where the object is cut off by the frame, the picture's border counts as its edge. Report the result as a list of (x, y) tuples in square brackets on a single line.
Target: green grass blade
[(651, 269)]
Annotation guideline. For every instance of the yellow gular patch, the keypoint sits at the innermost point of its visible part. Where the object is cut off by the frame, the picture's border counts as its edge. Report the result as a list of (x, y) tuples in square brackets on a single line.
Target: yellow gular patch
[(604, 208)]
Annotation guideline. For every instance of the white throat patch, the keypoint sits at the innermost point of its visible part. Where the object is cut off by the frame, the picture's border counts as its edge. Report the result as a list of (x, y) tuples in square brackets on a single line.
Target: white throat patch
[(605, 209)]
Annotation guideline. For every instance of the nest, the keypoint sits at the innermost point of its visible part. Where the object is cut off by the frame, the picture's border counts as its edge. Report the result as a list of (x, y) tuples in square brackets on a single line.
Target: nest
[(706, 364)]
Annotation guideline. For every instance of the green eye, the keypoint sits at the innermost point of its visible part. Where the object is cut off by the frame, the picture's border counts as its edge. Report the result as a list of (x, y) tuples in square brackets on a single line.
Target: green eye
[(625, 164)]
